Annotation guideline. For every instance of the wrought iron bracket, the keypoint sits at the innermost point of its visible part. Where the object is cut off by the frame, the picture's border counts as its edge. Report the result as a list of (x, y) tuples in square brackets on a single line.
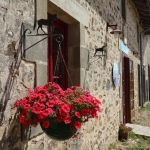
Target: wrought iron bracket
[(102, 50), (58, 37), (46, 22)]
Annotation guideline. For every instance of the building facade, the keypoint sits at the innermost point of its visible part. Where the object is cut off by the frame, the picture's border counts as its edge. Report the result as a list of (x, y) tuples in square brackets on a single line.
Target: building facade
[(113, 76)]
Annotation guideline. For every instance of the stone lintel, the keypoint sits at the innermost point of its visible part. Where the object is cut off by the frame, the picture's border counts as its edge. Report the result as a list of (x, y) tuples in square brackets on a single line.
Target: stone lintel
[(74, 9)]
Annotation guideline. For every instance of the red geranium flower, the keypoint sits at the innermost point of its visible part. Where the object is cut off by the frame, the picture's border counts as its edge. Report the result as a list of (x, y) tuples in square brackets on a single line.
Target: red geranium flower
[(27, 106), (59, 119), (41, 116), (67, 119), (51, 103), (77, 125), (85, 111), (47, 112), (77, 114), (36, 110), (45, 124), (64, 109), (17, 103)]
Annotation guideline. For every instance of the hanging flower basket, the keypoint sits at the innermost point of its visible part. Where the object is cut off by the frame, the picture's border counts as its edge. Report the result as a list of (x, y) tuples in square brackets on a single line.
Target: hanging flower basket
[(59, 131), (60, 113)]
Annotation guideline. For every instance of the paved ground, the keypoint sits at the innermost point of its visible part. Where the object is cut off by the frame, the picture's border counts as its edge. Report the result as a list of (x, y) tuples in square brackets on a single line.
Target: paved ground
[(139, 129)]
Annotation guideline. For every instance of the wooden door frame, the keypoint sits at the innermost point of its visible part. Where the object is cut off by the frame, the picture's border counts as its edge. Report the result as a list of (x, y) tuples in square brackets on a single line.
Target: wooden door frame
[(126, 89), (123, 90)]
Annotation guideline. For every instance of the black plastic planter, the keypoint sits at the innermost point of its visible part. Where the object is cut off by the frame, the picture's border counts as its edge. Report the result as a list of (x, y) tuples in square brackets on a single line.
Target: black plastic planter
[(59, 131), (123, 135)]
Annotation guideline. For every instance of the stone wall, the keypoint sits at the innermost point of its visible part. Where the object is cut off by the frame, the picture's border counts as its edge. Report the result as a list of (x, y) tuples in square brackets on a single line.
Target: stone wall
[(15, 73), (132, 22), (94, 75)]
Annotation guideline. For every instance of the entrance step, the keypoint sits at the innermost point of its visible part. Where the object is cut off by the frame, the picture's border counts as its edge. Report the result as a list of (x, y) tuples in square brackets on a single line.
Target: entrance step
[(140, 130)]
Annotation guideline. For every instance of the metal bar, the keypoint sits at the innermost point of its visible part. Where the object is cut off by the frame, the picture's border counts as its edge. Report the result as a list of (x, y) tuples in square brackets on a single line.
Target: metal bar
[(36, 43), (99, 55), (59, 39), (94, 60), (44, 35)]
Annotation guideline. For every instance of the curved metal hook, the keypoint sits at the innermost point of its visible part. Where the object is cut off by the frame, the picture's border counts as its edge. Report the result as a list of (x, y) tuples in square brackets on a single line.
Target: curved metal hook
[(27, 30), (59, 38), (24, 35)]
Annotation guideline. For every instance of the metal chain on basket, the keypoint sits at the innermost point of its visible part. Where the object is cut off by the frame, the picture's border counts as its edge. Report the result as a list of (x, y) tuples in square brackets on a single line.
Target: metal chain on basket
[(60, 52), (56, 69)]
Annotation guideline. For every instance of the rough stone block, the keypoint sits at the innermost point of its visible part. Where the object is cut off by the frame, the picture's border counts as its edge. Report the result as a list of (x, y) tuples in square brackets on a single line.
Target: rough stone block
[(84, 56), (41, 73)]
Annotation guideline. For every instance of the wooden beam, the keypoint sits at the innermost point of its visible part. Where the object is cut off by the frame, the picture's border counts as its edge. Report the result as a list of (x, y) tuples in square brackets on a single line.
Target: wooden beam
[(146, 9), (141, 4), (144, 14), (145, 18), (143, 9), (140, 1), (147, 22)]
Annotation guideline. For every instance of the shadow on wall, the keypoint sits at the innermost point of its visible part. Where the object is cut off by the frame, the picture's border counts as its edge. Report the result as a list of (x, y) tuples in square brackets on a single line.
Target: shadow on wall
[(11, 135), (11, 131), (13, 72)]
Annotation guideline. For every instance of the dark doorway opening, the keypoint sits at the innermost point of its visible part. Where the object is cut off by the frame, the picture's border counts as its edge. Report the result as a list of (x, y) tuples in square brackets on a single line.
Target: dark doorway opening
[(60, 77)]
